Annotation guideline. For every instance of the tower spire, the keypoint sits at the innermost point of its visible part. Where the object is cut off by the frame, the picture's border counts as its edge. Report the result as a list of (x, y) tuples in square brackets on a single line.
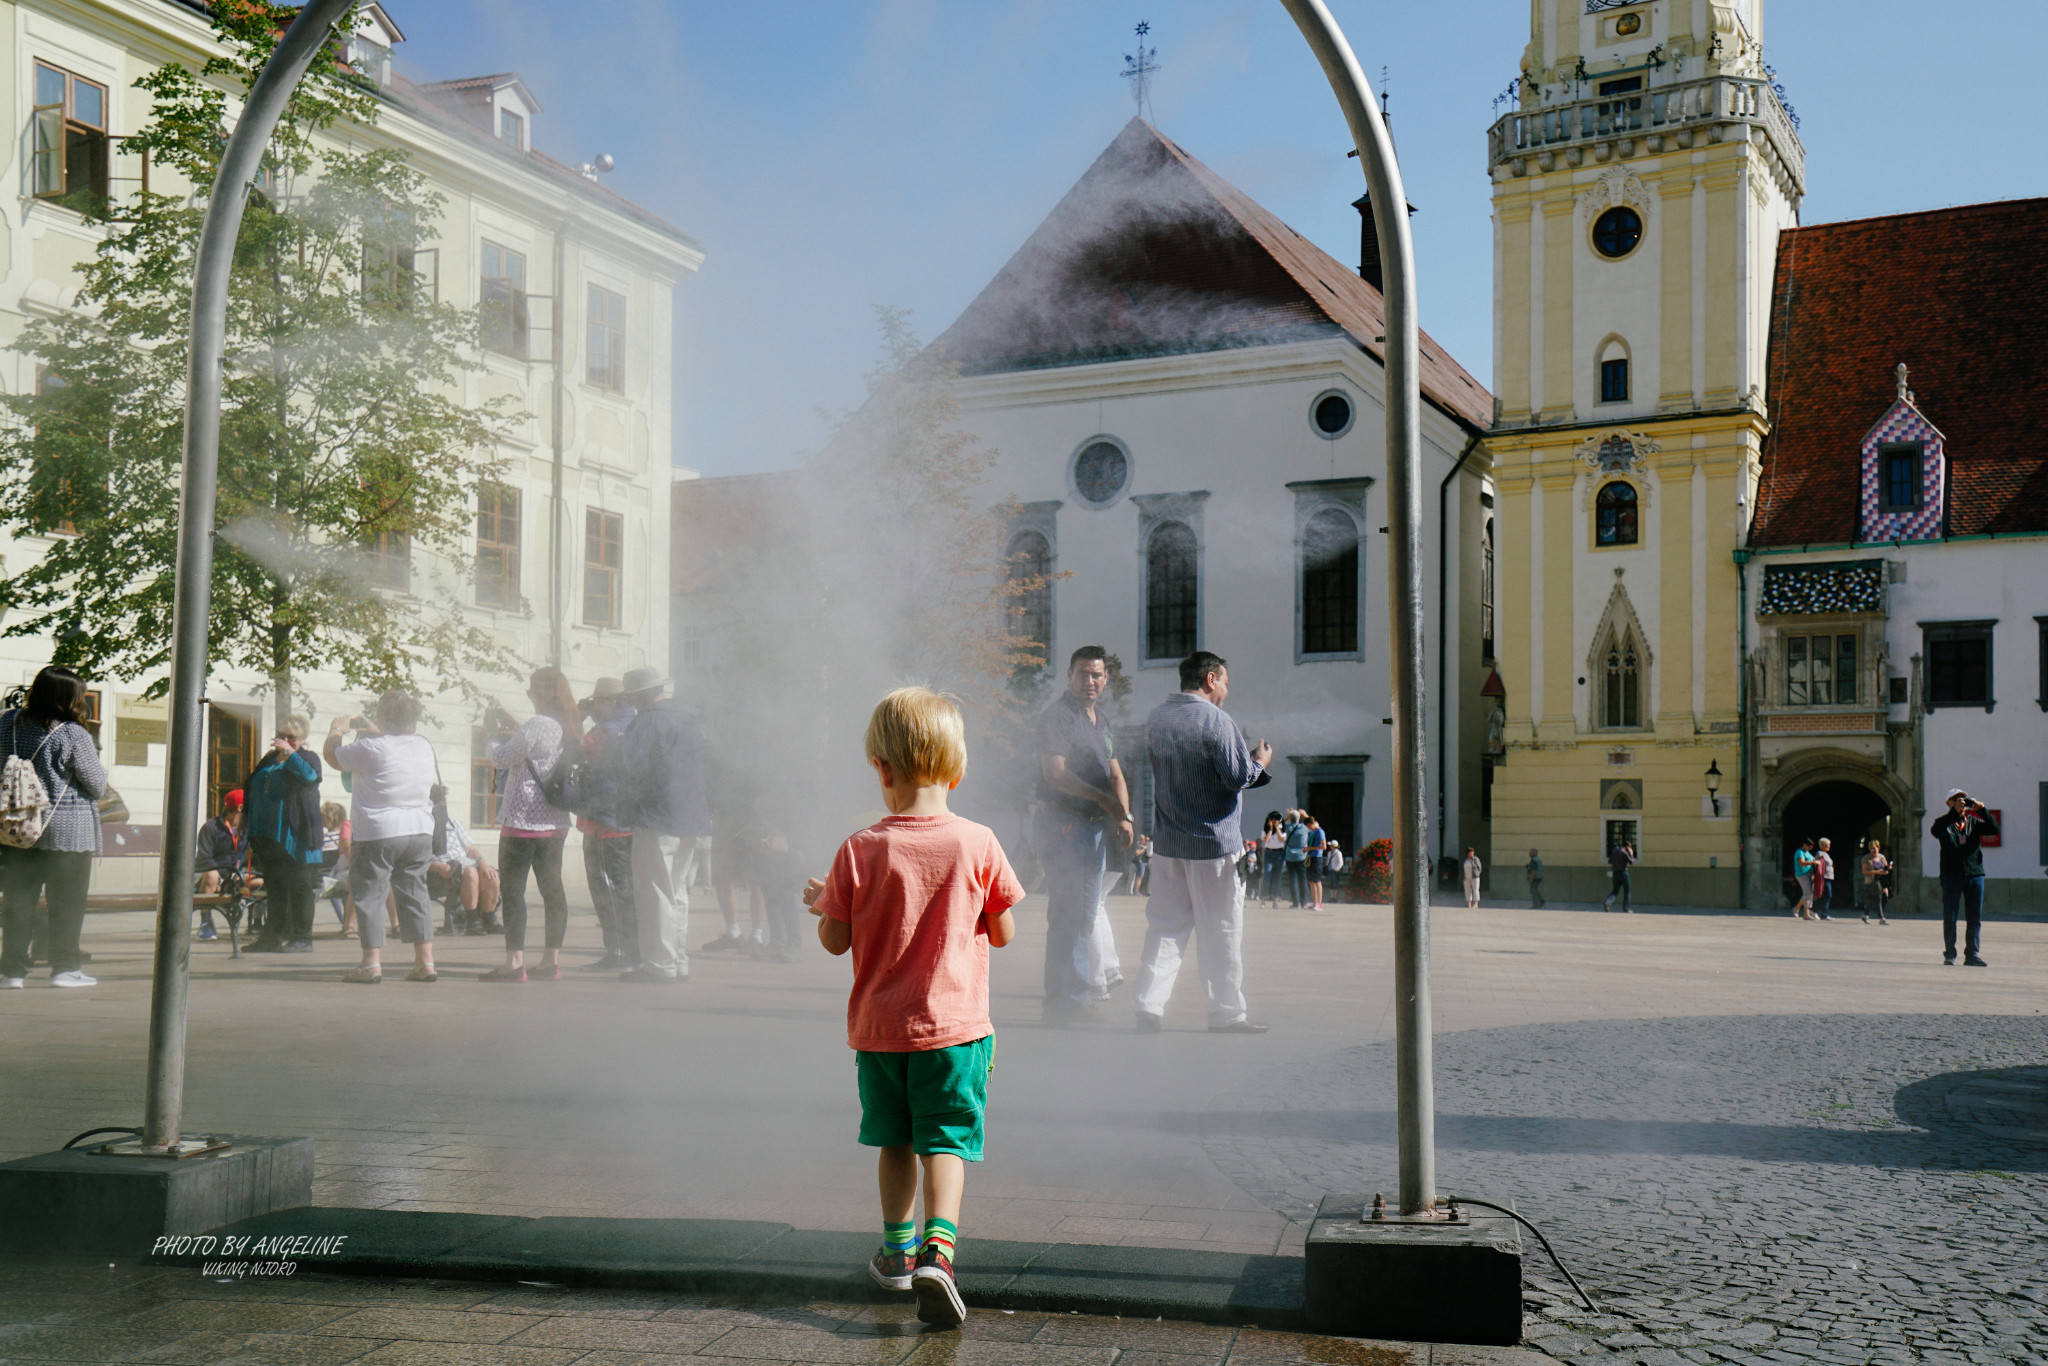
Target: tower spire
[(1139, 68)]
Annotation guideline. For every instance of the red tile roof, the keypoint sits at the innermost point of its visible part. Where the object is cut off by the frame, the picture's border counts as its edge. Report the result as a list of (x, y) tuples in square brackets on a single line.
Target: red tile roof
[(1961, 297), (1153, 253)]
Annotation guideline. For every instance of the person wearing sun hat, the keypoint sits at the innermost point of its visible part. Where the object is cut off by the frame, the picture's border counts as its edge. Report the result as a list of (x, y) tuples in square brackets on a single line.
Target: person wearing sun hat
[(662, 801), (1960, 832), (607, 847)]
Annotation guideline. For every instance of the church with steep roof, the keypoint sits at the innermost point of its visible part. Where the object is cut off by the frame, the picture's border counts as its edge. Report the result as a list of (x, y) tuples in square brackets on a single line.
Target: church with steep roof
[(1187, 397)]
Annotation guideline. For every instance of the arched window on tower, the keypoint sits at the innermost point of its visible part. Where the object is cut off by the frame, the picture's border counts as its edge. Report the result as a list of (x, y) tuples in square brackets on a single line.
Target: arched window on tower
[(1620, 703), (1614, 514), (1029, 566), (1329, 584), (1486, 592), (1614, 372), (1170, 592)]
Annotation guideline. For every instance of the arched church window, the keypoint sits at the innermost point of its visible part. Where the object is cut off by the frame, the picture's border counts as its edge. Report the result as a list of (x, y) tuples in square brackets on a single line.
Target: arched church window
[(1030, 575), (1329, 584), (1614, 514), (1170, 592), (1621, 681)]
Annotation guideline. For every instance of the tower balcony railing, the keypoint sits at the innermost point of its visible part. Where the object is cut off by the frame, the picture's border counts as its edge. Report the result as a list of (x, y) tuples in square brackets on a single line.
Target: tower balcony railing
[(1646, 122)]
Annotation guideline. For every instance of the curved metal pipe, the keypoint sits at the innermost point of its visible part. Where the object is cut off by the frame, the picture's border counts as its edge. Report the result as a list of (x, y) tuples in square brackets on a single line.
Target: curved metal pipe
[(184, 803), (1403, 355)]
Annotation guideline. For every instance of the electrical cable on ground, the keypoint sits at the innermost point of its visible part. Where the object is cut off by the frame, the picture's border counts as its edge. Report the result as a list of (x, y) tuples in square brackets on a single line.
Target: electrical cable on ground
[(110, 1129), (1488, 1204)]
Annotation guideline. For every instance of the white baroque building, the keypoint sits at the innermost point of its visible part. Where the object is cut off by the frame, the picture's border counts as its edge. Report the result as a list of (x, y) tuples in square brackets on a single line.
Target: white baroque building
[(577, 544)]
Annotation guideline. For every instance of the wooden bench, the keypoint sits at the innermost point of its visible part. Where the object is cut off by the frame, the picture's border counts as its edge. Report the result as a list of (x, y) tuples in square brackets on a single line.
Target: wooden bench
[(146, 901)]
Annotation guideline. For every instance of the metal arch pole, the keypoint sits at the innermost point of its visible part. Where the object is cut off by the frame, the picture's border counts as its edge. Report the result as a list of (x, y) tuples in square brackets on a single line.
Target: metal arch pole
[(184, 805), (1417, 1093)]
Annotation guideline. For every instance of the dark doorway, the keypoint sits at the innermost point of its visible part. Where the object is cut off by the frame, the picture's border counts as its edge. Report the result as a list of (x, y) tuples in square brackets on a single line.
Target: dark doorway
[(1845, 814), (1332, 804), (230, 752)]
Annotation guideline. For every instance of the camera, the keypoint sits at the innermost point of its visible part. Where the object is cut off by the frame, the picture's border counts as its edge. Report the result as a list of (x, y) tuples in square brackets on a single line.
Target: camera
[(359, 723)]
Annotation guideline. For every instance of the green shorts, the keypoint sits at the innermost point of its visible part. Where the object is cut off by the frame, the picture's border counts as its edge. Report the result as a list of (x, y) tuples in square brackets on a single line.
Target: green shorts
[(931, 1100)]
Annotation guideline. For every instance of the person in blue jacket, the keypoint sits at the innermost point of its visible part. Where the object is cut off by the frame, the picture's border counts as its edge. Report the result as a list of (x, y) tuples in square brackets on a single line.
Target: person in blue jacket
[(286, 837)]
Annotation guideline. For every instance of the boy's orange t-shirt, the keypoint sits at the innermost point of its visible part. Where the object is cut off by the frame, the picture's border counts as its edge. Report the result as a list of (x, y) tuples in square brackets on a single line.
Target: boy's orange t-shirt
[(913, 890)]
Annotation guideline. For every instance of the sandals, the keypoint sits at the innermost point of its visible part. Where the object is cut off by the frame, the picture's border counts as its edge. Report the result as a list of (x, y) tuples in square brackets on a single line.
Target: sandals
[(423, 974), (368, 977)]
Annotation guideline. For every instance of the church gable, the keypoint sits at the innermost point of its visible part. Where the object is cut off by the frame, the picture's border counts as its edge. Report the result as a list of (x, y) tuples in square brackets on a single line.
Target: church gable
[(1152, 253)]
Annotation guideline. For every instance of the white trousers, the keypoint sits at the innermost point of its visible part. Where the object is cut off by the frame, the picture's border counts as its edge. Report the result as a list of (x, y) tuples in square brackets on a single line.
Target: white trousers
[(664, 866), (1203, 898), (1103, 964)]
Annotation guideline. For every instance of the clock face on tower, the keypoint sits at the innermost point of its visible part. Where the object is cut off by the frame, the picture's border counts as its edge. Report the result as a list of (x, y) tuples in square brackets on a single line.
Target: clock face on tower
[(1616, 232), (1627, 24)]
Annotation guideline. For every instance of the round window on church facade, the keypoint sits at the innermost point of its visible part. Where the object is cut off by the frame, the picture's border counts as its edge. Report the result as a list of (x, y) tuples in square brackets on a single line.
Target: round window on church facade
[(1102, 470), (1332, 413), (1617, 232)]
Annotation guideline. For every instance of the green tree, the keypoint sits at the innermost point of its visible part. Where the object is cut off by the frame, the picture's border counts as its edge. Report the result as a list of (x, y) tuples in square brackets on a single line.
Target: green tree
[(345, 445)]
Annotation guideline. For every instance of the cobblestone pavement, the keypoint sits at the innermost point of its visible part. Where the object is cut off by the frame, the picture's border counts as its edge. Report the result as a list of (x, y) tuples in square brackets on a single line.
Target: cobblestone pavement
[(80, 1314), (1775, 1189)]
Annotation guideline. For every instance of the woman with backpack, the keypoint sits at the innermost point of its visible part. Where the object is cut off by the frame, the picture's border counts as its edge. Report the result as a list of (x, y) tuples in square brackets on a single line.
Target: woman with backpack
[(51, 782), (531, 833)]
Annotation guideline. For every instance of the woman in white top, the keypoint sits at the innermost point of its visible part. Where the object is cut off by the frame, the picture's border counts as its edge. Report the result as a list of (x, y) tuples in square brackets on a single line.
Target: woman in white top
[(1272, 849), (391, 826), (1473, 868), (530, 832)]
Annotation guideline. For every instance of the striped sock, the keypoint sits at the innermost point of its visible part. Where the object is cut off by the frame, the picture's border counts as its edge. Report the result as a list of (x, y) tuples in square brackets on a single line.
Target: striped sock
[(939, 1233), (900, 1237)]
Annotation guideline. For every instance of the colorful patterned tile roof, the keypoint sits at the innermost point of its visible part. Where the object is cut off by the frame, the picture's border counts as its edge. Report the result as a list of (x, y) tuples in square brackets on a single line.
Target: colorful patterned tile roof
[(1960, 296), (1802, 590)]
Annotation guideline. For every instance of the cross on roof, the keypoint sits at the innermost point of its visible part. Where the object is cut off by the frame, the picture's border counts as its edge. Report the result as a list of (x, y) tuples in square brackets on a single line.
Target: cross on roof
[(1139, 69)]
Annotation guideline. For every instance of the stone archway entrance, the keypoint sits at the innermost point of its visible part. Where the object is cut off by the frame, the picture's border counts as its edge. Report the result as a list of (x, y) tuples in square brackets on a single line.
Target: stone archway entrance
[(1845, 813)]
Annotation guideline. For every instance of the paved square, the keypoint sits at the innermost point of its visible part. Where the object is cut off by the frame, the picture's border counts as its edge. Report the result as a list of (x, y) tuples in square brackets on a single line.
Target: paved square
[(1753, 1138)]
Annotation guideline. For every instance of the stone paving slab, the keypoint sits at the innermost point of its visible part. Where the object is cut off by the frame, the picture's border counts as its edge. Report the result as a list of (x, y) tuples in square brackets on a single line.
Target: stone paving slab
[(135, 1313)]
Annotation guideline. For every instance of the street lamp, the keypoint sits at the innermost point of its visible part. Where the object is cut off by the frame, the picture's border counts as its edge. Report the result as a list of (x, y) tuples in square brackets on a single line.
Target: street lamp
[(1714, 784)]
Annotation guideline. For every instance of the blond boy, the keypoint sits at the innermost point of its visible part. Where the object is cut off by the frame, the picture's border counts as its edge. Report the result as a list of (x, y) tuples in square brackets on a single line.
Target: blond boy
[(919, 897)]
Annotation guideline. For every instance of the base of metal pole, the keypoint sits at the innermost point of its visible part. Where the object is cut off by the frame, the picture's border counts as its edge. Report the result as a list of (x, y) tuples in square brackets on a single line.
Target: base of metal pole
[(1443, 1216), (183, 1147)]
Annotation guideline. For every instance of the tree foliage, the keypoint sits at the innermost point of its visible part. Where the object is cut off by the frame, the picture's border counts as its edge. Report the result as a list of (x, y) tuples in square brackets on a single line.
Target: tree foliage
[(345, 444)]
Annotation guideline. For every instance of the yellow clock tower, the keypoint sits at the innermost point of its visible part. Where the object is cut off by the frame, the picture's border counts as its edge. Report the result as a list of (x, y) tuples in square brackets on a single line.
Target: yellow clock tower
[(1641, 176)]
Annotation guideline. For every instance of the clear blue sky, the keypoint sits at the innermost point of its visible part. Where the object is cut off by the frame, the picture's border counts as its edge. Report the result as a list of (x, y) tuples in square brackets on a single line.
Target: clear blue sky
[(832, 155)]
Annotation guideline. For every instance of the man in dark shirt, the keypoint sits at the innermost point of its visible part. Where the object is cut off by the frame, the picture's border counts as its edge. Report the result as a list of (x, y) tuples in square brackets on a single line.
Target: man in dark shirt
[(1620, 859), (1960, 832), (1082, 804)]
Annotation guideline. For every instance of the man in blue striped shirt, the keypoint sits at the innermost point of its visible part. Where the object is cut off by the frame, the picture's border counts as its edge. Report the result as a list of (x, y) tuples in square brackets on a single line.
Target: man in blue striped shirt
[(1201, 767)]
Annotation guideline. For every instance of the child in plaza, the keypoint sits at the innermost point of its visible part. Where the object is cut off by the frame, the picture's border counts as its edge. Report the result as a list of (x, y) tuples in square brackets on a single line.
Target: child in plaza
[(920, 898)]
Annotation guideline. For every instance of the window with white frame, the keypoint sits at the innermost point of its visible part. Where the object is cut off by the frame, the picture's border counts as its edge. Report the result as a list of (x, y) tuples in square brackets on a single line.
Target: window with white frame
[(605, 354), (69, 149)]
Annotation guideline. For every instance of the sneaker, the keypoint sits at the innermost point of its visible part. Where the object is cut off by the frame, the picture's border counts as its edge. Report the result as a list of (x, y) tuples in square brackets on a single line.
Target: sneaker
[(207, 932), (1246, 1026), (1149, 1023), (1116, 979), (299, 946), (648, 974), (890, 1270), (725, 943), (73, 978), (545, 974), (1608, 904), (503, 975), (1973, 961), (938, 1299), (12, 983), (1948, 960)]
